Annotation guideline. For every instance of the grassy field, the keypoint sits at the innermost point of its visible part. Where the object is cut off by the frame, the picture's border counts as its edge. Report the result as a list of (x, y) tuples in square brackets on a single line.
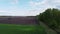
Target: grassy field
[(21, 29)]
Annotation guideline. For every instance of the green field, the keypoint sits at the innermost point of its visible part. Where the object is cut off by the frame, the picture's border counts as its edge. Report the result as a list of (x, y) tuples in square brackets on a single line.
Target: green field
[(21, 29)]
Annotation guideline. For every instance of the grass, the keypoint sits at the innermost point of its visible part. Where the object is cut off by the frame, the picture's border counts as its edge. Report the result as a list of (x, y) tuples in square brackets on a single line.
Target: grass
[(20, 29)]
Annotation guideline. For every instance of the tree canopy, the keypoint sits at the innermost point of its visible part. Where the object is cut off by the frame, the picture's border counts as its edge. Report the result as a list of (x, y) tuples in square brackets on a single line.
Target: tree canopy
[(51, 17)]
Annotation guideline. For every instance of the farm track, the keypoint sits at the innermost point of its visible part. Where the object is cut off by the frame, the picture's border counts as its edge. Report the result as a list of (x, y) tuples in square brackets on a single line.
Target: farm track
[(47, 29)]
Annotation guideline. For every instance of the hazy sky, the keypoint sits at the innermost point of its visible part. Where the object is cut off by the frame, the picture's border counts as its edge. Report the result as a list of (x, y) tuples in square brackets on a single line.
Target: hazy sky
[(26, 7)]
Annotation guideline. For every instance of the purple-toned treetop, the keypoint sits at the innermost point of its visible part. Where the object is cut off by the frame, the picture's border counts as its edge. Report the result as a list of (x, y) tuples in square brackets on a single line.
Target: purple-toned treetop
[(18, 20)]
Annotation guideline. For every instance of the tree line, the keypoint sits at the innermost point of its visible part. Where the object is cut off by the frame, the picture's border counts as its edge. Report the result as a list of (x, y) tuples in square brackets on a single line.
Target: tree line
[(51, 17)]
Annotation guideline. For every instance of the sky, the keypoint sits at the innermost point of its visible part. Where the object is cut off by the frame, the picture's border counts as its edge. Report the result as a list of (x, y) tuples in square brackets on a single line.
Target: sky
[(26, 7)]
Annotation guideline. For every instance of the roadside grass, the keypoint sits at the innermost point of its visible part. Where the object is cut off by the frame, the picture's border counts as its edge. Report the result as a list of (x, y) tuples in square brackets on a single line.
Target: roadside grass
[(21, 29)]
